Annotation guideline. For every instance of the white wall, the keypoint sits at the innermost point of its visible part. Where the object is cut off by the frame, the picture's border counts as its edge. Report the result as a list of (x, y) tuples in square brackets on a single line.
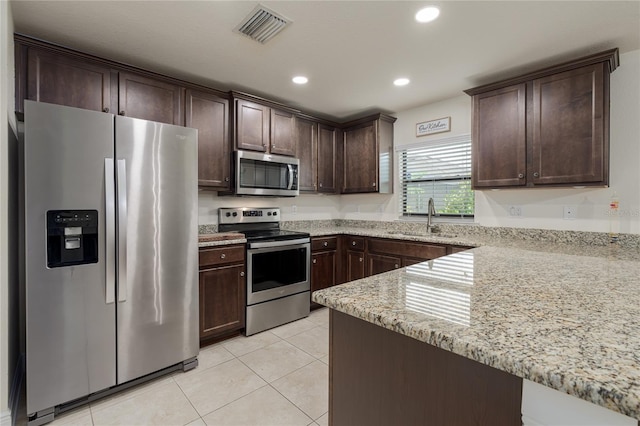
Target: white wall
[(308, 207), (543, 208), (7, 121)]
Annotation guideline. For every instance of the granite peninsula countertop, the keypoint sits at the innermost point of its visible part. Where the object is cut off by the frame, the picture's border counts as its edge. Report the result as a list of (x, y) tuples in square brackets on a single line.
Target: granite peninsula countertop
[(565, 315)]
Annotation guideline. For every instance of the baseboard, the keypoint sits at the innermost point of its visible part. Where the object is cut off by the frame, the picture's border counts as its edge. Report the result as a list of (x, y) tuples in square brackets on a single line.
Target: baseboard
[(14, 395), (5, 418)]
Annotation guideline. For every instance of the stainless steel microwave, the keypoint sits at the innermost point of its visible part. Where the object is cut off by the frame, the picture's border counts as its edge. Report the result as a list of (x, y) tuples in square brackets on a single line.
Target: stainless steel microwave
[(265, 174)]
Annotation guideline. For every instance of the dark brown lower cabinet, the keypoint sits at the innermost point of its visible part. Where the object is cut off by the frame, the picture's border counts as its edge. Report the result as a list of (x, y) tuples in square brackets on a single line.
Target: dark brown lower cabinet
[(222, 291), (377, 263), (355, 265), (380, 377)]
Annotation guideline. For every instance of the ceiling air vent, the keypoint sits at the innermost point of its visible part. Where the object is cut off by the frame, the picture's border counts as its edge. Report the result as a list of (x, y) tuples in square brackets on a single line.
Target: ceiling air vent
[(262, 24)]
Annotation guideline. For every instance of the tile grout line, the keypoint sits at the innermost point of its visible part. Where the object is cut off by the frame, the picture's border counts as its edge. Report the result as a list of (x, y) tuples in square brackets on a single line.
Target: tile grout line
[(189, 401)]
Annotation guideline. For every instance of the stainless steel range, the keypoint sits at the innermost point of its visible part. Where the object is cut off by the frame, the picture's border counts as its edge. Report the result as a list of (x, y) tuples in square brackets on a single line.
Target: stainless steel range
[(278, 267)]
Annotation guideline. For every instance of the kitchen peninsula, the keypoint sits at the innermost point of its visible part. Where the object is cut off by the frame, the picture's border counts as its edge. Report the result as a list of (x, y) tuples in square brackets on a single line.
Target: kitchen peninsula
[(451, 339)]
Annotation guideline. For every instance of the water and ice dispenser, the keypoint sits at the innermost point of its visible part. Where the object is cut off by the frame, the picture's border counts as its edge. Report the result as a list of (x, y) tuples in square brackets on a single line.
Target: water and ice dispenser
[(72, 237)]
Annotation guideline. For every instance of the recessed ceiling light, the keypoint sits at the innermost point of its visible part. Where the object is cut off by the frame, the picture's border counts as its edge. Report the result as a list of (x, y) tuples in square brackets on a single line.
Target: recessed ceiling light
[(401, 81), (300, 79), (427, 14)]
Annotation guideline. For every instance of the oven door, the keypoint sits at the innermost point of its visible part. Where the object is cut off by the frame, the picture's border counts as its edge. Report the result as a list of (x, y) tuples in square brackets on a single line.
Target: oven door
[(277, 269)]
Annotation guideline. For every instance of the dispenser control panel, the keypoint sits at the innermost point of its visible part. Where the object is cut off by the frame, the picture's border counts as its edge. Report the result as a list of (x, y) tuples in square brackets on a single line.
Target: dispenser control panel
[(72, 237)]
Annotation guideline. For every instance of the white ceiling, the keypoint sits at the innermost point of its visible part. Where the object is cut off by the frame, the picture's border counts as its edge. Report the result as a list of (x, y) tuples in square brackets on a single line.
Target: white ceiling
[(350, 50)]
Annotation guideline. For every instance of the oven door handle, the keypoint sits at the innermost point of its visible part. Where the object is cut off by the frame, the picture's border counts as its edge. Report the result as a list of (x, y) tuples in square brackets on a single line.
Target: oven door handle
[(278, 243)]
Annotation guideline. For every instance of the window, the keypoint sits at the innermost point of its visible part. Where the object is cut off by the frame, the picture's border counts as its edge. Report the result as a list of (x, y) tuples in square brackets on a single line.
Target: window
[(439, 169)]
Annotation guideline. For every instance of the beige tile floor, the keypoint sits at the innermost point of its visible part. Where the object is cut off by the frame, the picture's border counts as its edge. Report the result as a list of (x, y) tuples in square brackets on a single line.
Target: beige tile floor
[(277, 377)]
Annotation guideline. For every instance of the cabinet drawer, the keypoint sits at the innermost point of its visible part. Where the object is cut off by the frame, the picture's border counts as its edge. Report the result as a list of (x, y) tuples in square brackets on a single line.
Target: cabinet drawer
[(221, 255), (406, 248), (324, 243), (355, 243)]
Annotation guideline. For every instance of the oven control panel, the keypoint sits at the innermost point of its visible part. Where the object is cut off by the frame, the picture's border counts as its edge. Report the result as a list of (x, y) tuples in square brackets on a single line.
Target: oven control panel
[(248, 215)]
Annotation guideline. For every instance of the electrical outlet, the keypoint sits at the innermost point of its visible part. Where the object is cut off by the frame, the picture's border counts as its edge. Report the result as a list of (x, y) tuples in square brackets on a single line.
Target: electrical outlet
[(569, 212), (294, 209), (515, 211)]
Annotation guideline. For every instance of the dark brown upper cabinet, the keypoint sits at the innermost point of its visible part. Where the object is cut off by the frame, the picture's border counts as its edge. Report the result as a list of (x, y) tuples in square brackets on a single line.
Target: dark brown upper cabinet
[(63, 80), (252, 126), (317, 148), (209, 113), (263, 128), (307, 138), (283, 140), (499, 148), (49, 73), (150, 99), (368, 155), (546, 128), (328, 158)]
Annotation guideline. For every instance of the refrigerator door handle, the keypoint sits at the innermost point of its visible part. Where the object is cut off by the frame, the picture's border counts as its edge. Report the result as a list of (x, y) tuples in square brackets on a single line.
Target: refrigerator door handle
[(110, 218), (122, 231)]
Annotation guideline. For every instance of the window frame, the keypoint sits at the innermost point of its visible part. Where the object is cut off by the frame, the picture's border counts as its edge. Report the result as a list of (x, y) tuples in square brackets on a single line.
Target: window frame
[(401, 154)]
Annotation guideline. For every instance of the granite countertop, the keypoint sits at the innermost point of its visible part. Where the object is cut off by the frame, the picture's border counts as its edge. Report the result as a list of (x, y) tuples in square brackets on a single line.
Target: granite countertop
[(564, 315)]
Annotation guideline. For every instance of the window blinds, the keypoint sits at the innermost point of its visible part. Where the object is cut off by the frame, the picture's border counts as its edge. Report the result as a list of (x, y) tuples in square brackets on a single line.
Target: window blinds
[(438, 169)]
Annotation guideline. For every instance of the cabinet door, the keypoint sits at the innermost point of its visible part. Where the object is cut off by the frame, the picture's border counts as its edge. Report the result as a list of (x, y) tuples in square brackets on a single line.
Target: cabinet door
[(323, 270), (327, 154), (355, 265), (149, 99), (360, 159), (210, 115), (252, 121), (283, 140), (377, 264), (62, 80), (499, 138), (222, 300), (568, 127), (306, 132)]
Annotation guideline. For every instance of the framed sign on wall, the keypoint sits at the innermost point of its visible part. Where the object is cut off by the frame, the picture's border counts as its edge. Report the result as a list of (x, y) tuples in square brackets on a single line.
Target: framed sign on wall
[(439, 125)]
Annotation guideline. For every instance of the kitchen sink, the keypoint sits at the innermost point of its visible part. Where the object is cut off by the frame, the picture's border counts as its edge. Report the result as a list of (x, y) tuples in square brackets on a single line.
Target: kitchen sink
[(416, 234)]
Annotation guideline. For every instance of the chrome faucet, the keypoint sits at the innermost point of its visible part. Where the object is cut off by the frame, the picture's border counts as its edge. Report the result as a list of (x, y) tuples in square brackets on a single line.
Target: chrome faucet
[(431, 211)]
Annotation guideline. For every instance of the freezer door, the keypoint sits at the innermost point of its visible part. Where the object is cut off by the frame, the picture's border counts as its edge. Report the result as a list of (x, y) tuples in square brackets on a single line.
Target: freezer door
[(70, 316), (157, 293)]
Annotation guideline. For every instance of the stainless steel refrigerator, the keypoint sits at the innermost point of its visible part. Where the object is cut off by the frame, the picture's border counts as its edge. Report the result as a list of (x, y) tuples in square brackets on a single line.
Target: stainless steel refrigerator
[(111, 262)]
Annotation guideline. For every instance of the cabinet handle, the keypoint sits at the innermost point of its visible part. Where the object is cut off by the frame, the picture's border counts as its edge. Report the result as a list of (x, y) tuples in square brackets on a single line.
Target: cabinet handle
[(326, 243), (521, 175), (360, 259), (315, 261), (395, 266), (373, 184), (105, 110), (122, 112), (353, 243), (536, 174), (320, 184), (222, 256), (226, 179), (242, 273)]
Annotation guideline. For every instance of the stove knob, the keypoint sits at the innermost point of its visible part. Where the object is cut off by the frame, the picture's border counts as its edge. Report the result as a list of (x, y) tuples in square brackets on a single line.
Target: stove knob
[(269, 213), (228, 214), (275, 213), (235, 214)]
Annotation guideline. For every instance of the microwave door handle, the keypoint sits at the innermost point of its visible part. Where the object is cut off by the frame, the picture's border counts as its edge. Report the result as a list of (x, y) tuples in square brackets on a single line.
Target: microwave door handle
[(290, 167)]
